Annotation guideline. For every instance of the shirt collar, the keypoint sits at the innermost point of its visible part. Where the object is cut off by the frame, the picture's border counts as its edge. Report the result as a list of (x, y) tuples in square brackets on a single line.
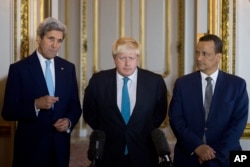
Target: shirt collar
[(42, 59), (213, 75), (131, 77)]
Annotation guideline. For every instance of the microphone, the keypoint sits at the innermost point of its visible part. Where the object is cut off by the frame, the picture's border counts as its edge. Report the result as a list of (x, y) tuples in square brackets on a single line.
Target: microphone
[(162, 148), (96, 145)]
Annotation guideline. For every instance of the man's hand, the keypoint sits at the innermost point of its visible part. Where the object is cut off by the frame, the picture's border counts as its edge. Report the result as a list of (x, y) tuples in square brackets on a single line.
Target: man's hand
[(205, 153), (45, 102), (62, 124)]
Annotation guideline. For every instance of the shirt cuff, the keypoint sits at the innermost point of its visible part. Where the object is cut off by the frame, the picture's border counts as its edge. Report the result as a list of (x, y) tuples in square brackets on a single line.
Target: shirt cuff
[(68, 130)]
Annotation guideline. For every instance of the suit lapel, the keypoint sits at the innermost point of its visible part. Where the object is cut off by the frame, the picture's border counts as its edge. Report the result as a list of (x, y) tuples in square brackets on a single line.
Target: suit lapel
[(37, 74), (217, 92), (59, 76), (197, 93)]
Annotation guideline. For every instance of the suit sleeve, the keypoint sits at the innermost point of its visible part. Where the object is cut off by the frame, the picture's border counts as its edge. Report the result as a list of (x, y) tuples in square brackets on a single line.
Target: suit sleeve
[(186, 138), (237, 123), (162, 104), (89, 105), (14, 107), (75, 110)]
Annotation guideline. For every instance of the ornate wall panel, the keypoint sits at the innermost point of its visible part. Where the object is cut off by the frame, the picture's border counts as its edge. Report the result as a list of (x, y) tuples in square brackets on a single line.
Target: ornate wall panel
[(181, 44), (222, 22), (132, 18)]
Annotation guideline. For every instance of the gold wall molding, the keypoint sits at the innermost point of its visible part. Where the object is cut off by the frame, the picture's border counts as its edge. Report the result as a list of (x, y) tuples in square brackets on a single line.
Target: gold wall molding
[(224, 33), (234, 39), (96, 36), (220, 24), (83, 64), (15, 32), (167, 38), (122, 20), (142, 33), (246, 133), (25, 31), (181, 44), (67, 13)]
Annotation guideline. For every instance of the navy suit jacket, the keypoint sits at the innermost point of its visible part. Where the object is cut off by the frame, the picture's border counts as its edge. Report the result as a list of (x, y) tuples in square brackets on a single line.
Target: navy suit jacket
[(101, 112), (35, 137), (225, 123)]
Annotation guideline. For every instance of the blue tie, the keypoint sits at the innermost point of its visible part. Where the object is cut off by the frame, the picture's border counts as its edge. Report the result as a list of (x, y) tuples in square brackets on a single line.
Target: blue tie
[(125, 107), (48, 78)]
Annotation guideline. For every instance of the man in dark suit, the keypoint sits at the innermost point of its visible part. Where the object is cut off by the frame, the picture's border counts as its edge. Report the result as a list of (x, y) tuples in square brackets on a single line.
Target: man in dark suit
[(45, 119), (127, 144), (206, 134)]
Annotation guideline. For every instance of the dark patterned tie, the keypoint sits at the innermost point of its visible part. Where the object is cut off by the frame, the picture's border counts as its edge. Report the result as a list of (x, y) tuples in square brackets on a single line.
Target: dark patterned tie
[(208, 96), (207, 100)]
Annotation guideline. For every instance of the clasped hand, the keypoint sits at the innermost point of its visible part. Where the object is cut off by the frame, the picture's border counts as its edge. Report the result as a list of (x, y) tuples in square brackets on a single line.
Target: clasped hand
[(205, 153)]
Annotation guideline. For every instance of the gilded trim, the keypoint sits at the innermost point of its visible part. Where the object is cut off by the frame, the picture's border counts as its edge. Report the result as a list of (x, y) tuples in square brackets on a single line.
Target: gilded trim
[(67, 34), (246, 133), (46, 10), (225, 35), (234, 38), (142, 33), (95, 36), (83, 46), (213, 17), (24, 21), (83, 64), (180, 44), (167, 38), (122, 18), (15, 31)]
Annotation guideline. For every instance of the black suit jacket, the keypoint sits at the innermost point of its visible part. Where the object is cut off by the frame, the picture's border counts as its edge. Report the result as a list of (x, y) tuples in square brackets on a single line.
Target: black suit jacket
[(35, 137), (101, 112)]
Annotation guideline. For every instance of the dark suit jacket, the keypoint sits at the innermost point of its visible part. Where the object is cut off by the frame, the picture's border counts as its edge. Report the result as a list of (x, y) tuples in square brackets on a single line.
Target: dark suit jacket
[(101, 112), (35, 137), (226, 120)]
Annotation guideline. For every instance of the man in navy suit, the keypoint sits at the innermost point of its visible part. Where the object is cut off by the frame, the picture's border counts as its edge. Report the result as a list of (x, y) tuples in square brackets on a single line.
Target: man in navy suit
[(42, 137), (127, 144), (207, 141)]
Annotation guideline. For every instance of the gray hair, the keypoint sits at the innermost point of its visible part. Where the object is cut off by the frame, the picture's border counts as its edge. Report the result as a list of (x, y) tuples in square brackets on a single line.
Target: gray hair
[(50, 24)]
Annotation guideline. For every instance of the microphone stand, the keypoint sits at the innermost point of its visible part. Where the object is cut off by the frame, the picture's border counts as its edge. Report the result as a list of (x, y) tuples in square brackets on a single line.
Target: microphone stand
[(165, 161)]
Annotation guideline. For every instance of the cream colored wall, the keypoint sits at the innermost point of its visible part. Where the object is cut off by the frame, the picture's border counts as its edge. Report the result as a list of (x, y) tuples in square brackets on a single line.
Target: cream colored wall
[(6, 53)]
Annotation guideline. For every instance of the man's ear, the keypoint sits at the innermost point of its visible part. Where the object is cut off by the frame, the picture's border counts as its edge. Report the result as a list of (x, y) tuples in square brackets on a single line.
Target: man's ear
[(38, 39), (219, 55)]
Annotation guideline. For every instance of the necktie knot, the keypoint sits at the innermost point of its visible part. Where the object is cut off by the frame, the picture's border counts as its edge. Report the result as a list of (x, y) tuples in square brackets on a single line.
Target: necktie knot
[(125, 80), (47, 62), (208, 79)]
